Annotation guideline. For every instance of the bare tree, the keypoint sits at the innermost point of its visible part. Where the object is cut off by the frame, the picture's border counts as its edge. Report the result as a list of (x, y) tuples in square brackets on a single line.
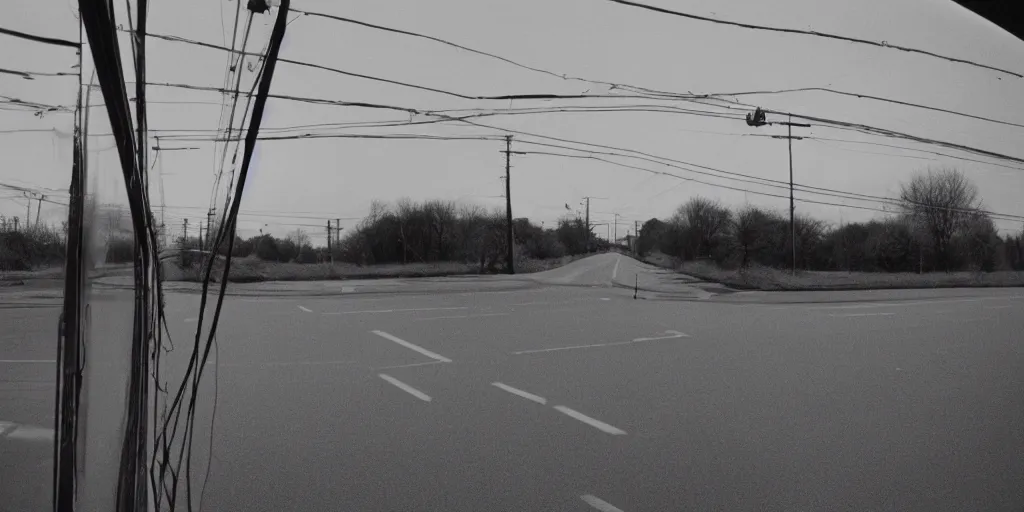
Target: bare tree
[(940, 202), (706, 220), (300, 238)]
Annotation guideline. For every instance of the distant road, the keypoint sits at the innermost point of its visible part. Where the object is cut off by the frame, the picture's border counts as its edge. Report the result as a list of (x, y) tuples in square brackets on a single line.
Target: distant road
[(559, 391)]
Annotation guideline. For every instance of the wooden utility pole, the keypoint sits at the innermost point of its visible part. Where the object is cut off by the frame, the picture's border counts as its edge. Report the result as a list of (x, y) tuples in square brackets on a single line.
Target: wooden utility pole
[(209, 218), (28, 210), (39, 207), (636, 236), (508, 205), (184, 234), (792, 207), (509, 250), (587, 199), (329, 251), (757, 118)]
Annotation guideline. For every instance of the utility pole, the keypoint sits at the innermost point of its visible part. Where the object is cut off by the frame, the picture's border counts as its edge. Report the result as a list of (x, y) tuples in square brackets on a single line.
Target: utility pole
[(616, 230), (184, 234), (757, 118), (636, 237), (39, 207), (587, 199), (792, 207), (509, 249), (28, 210), (209, 218), (329, 251), (508, 205), (200, 237)]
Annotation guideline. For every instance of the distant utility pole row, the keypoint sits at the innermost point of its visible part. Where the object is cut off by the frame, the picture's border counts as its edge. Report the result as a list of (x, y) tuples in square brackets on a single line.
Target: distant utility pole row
[(337, 237), (28, 207)]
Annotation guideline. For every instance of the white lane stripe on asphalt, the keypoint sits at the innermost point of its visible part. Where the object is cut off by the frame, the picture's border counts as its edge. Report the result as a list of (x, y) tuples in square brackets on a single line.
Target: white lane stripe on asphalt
[(410, 346), (405, 387), (287, 363), (671, 335), (860, 314), (518, 392), (600, 425), (370, 311), (28, 361), (615, 271), (413, 365), (460, 316), (304, 308), (599, 504), (191, 320)]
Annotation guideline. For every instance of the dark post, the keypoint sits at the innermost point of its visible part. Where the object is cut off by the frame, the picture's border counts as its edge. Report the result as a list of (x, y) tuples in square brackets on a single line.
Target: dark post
[(792, 208), (508, 204)]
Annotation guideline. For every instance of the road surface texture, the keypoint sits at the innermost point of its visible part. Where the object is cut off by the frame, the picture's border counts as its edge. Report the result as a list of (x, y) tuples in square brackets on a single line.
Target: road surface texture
[(561, 392)]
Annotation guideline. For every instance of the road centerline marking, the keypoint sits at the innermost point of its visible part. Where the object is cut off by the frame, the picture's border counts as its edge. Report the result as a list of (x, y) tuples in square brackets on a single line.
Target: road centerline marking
[(304, 308), (615, 271), (848, 315), (371, 311), (599, 504), (518, 392), (412, 365), (460, 316), (28, 361), (598, 424), (411, 346), (405, 387), (669, 335)]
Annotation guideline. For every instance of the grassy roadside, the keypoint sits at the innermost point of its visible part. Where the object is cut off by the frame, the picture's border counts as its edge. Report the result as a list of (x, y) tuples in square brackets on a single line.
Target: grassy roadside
[(251, 269), (771, 279)]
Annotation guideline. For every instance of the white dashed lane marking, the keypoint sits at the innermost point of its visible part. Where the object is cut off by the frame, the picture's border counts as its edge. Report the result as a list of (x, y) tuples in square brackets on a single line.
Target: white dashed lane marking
[(668, 336), (599, 504), (405, 387), (411, 346), (518, 392), (600, 425)]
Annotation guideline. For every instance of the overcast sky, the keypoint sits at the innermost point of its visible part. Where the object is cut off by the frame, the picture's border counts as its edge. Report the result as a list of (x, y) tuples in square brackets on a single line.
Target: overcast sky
[(597, 39)]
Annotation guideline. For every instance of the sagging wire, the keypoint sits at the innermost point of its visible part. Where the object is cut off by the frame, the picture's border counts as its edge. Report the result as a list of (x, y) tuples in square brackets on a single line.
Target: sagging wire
[(234, 104), (196, 364), (98, 19)]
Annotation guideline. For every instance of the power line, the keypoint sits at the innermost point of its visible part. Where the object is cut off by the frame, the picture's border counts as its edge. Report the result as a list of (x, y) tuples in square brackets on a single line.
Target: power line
[(30, 75), (830, 123), (900, 135), (893, 202), (500, 97), (39, 39), (870, 97), (879, 44), (636, 89)]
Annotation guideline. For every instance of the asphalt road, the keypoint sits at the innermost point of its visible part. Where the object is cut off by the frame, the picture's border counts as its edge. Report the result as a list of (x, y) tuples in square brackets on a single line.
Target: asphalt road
[(561, 392)]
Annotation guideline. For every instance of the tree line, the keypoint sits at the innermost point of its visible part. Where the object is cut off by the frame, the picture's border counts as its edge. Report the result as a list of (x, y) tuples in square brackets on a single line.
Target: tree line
[(421, 232), (939, 225)]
